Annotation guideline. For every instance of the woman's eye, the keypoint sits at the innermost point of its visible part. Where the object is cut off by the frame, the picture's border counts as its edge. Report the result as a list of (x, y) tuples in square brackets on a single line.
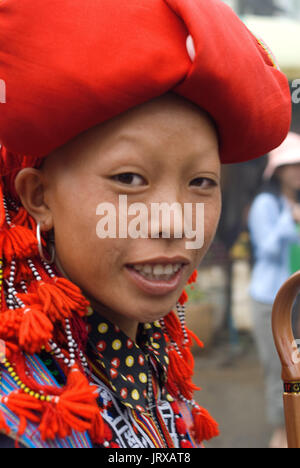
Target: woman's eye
[(204, 182), (130, 178)]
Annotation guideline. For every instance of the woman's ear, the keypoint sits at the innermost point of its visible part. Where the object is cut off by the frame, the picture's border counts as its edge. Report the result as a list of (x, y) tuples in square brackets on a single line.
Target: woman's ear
[(30, 186)]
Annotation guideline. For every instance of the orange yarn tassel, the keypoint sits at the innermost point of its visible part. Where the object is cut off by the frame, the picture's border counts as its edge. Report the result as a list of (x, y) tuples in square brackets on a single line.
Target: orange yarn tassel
[(205, 427), (35, 330), (25, 407), (97, 431), (179, 373), (53, 424), (10, 322), (192, 335), (72, 296), (173, 327), (17, 241), (183, 298), (75, 409), (23, 218), (3, 425), (53, 301), (181, 365), (193, 277)]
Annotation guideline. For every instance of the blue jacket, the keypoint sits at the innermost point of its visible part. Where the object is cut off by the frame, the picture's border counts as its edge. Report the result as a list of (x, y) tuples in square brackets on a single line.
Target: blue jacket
[(273, 231)]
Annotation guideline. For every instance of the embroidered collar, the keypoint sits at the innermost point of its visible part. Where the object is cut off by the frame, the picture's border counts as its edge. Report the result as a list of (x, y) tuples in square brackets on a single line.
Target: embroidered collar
[(123, 364)]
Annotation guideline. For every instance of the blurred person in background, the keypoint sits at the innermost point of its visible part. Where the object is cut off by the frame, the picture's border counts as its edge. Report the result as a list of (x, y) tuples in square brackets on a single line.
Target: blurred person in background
[(274, 221)]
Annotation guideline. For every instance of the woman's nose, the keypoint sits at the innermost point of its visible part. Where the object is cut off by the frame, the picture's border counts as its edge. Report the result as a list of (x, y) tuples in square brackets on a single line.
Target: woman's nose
[(166, 215)]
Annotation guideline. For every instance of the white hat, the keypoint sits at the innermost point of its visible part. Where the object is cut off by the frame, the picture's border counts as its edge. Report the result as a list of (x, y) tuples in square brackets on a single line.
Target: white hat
[(287, 153)]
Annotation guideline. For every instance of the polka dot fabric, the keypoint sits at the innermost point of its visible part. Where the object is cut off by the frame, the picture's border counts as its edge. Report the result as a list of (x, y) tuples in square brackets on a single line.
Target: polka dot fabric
[(125, 363)]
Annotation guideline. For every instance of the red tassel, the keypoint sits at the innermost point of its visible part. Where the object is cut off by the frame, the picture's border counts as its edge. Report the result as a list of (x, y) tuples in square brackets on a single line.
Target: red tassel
[(23, 218), (180, 375), (53, 302), (183, 298), (35, 330), (17, 241), (114, 445), (193, 277), (53, 424), (72, 296), (180, 426), (3, 425), (23, 272), (10, 322), (98, 430), (75, 409), (25, 407), (10, 348), (192, 335), (186, 444), (205, 427), (173, 327)]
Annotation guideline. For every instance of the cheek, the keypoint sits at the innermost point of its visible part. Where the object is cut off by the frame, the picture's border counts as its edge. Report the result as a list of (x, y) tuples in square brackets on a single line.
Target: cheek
[(84, 256), (208, 227), (212, 212)]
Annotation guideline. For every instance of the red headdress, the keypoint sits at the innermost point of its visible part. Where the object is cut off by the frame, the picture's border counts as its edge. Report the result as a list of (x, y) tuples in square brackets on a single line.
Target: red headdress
[(65, 66)]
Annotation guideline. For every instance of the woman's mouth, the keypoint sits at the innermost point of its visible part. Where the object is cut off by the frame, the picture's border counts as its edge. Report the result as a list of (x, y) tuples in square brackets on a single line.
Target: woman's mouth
[(156, 279)]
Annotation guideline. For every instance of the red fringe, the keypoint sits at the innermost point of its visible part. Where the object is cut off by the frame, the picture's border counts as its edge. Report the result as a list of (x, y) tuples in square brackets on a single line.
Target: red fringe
[(75, 409), (72, 295), (53, 301), (98, 430), (23, 218), (25, 407), (10, 322), (180, 374), (180, 426), (52, 424), (23, 271), (205, 427), (193, 277), (35, 329), (3, 425), (17, 241), (173, 326), (183, 298)]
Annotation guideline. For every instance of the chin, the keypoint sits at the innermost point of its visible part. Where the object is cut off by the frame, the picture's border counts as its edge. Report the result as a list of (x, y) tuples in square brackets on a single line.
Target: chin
[(152, 314)]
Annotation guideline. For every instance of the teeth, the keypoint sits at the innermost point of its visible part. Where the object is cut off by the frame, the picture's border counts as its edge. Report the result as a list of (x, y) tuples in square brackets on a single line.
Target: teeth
[(168, 270), (158, 271)]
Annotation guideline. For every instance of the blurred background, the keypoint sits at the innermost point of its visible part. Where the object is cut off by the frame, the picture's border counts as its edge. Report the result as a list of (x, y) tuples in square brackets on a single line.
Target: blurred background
[(229, 370)]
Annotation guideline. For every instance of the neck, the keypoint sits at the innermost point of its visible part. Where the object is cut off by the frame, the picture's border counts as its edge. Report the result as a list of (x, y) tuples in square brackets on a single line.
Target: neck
[(127, 325)]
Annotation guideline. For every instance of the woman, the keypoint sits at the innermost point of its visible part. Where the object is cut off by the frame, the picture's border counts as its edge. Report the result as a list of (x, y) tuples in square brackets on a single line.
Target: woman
[(273, 221), (104, 102)]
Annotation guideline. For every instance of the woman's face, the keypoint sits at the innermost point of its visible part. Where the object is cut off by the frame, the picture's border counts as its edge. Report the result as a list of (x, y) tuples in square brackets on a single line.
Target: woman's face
[(164, 151), (289, 176)]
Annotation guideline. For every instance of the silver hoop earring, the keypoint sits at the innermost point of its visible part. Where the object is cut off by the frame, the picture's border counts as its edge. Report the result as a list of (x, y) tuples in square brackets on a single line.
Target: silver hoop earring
[(40, 247)]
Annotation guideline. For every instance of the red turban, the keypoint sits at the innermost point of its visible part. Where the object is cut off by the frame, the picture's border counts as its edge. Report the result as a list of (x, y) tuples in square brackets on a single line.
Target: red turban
[(67, 65)]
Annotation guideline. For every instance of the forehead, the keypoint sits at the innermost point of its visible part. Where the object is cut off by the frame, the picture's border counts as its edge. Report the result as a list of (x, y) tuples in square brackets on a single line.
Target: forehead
[(164, 125)]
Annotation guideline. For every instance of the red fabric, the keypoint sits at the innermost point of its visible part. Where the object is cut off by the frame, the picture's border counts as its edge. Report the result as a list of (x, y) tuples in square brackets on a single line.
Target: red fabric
[(69, 65)]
